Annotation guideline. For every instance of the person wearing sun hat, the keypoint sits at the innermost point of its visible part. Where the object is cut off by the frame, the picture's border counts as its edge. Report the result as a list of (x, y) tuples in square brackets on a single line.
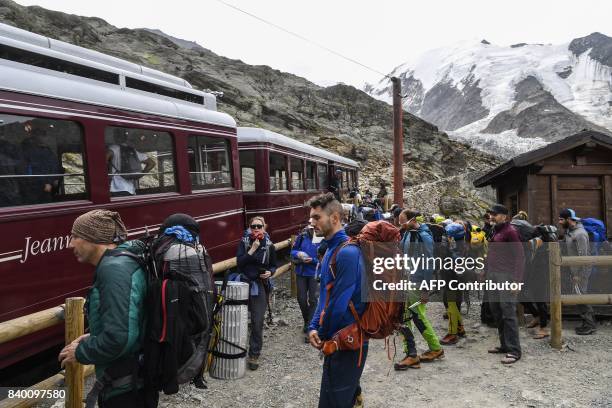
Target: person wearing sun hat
[(576, 242)]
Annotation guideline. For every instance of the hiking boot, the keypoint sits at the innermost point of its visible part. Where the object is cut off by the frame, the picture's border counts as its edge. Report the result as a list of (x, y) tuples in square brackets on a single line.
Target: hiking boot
[(461, 331), (449, 339), (408, 362), (359, 402), (253, 363), (585, 330), (431, 355)]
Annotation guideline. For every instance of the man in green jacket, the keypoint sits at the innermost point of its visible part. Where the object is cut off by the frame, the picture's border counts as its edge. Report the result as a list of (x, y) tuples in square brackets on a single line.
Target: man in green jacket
[(115, 309)]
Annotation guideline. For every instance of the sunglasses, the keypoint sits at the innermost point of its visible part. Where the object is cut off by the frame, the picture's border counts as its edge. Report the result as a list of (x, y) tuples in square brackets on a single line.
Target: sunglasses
[(256, 226)]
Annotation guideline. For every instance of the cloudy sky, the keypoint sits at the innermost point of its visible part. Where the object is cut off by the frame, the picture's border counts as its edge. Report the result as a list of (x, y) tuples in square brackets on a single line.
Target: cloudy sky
[(380, 34)]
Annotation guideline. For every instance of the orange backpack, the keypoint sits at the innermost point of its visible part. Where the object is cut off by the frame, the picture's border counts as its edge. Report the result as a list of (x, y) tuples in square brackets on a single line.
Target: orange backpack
[(383, 312)]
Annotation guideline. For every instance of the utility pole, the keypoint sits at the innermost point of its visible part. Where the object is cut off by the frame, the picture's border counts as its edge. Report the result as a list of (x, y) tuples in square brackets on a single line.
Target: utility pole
[(398, 143)]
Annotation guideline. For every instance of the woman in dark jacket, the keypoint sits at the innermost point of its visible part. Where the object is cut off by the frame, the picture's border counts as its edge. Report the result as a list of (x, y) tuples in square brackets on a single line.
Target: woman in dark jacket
[(256, 260)]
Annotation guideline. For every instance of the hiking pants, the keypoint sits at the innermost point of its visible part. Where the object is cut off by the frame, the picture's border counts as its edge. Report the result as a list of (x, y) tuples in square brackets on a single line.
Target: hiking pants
[(307, 295), (422, 324), (340, 380), (454, 318), (128, 399), (586, 311), (503, 305), (258, 305)]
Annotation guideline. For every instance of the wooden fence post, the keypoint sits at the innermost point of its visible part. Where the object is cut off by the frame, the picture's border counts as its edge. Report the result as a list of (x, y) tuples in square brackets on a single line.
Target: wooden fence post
[(292, 272), (75, 327), (554, 260)]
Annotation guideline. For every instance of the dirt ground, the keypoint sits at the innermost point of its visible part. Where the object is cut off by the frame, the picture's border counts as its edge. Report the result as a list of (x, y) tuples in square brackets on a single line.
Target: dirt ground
[(289, 376)]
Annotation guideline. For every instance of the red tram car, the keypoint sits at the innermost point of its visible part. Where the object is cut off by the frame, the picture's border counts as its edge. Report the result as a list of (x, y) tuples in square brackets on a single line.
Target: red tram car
[(279, 174), (67, 117)]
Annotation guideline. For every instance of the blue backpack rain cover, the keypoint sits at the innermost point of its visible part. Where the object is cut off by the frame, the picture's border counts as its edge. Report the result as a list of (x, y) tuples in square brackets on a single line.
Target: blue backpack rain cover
[(595, 228)]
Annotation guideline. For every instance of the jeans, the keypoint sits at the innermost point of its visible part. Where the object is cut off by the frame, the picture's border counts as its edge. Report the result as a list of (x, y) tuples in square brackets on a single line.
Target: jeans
[(503, 306), (258, 306), (340, 380), (307, 295)]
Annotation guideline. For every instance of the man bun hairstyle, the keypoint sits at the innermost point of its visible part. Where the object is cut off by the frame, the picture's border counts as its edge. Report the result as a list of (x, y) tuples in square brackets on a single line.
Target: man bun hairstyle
[(410, 214), (327, 202)]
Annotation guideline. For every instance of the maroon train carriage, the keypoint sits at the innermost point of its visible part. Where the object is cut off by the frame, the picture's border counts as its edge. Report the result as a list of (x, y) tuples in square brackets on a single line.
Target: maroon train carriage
[(279, 174), (62, 110)]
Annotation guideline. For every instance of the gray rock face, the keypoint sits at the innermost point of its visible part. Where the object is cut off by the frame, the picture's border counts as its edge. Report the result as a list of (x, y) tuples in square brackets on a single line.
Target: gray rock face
[(536, 113), (339, 118), (599, 44), (450, 108)]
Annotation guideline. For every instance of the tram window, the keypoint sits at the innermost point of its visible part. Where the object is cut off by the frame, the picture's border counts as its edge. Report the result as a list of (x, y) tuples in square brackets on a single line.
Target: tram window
[(247, 170), (139, 161), (209, 162), (41, 161), (297, 174), (278, 172), (322, 173), (311, 173)]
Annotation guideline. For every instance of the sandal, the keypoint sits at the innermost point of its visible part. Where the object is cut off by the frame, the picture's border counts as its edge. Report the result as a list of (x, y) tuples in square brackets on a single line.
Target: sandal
[(540, 336), (510, 359), (496, 350)]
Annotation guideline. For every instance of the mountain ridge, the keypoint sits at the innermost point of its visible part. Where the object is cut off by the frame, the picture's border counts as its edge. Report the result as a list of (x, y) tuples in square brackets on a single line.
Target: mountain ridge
[(476, 91)]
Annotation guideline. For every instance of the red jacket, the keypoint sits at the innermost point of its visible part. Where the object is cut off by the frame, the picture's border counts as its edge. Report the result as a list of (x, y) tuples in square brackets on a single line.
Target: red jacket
[(506, 258)]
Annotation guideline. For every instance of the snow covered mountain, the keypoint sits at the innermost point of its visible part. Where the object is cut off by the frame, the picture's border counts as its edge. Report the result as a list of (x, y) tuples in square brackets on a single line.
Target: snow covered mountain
[(510, 99)]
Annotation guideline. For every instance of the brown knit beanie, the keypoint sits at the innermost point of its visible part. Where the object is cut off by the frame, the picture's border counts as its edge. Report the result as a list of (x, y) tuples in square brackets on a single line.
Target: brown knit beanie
[(100, 227)]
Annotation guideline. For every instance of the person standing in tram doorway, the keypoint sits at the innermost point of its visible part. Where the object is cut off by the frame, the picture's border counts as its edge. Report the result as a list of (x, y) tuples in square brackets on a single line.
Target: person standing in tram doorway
[(125, 165), (335, 184), (256, 258)]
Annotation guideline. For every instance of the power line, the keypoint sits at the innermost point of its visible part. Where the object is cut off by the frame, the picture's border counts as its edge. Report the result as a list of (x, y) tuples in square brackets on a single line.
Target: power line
[(301, 37)]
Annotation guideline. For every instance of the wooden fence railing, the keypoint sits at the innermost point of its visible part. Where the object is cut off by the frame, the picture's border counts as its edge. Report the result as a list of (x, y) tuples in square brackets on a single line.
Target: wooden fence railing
[(71, 313), (557, 300)]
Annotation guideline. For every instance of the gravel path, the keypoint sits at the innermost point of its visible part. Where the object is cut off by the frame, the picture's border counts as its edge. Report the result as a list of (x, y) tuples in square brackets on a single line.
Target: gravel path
[(290, 371)]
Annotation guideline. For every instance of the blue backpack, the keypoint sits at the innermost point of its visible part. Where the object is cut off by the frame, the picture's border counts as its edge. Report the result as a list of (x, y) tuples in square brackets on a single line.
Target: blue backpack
[(595, 228)]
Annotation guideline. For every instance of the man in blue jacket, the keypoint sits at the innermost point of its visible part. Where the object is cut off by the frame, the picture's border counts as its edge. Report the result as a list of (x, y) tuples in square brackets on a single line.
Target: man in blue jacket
[(304, 256), (341, 370)]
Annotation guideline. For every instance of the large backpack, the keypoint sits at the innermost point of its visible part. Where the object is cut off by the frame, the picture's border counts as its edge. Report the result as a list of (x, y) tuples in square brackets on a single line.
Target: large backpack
[(180, 300), (383, 312), (595, 228), (548, 233), (525, 229), (129, 164)]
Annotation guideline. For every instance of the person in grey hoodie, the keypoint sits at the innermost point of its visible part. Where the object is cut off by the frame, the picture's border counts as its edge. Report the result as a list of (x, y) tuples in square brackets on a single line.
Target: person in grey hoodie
[(577, 244)]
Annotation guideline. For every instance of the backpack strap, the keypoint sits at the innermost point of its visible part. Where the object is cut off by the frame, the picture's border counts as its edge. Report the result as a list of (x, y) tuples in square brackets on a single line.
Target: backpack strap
[(330, 285)]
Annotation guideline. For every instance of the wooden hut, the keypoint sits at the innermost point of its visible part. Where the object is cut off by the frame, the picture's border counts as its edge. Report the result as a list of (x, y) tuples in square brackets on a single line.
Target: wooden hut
[(575, 172)]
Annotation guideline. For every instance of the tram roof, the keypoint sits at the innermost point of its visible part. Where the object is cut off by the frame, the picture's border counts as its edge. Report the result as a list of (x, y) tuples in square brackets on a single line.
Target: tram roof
[(31, 79), (250, 134)]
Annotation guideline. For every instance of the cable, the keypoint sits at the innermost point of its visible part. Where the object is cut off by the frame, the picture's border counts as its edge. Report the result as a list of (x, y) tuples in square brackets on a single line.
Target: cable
[(301, 37)]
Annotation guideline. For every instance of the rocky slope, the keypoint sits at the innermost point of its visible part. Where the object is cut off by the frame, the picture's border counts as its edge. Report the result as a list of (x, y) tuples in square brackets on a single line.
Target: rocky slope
[(339, 118), (507, 100)]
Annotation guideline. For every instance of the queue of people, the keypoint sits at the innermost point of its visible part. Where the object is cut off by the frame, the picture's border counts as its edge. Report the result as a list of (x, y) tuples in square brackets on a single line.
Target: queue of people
[(329, 282)]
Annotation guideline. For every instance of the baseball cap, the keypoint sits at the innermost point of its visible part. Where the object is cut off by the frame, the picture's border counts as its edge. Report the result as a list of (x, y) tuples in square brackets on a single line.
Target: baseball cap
[(498, 209), (568, 213)]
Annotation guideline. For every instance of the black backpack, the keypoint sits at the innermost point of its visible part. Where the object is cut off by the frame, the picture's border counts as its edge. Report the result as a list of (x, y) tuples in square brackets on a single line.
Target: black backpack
[(130, 166), (180, 300)]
